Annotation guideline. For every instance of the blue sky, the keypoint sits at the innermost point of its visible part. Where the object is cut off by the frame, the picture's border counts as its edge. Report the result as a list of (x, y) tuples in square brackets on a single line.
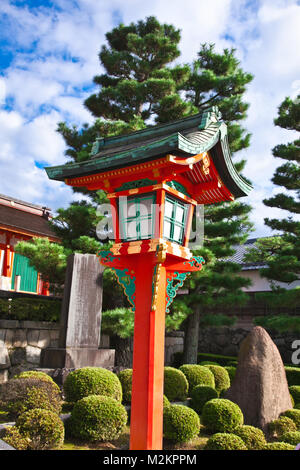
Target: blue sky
[(49, 55)]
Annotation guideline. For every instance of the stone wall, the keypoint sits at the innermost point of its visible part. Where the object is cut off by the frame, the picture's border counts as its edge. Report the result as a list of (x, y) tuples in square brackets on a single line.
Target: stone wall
[(226, 341), (173, 344), (21, 343)]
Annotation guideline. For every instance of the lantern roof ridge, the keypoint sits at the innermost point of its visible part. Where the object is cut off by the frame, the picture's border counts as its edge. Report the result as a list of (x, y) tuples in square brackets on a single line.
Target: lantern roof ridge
[(190, 136), (197, 121)]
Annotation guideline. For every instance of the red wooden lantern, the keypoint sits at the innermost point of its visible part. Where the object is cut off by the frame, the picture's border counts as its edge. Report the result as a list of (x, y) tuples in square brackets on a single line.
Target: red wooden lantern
[(154, 179)]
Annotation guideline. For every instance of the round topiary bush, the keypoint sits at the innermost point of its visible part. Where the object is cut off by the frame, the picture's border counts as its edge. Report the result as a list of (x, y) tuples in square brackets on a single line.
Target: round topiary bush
[(200, 395), (87, 381), (224, 441), (291, 437), (221, 415), (231, 372), (36, 374), (181, 424), (14, 438), (295, 392), (280, 426), (279, 446), (44, 428), (175, 384), (166, 402), (23, 394), (97, 418), (253, 438), (197, 375), (125, 377), (222, 379), (294, 414)]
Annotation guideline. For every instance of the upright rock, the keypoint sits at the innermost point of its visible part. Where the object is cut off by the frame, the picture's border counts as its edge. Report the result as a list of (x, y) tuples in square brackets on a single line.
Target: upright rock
[(260, 387)]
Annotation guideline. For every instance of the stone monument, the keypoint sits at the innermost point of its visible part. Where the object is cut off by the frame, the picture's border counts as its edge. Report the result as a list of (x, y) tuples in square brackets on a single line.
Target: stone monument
[(80, 318), (260, 386)]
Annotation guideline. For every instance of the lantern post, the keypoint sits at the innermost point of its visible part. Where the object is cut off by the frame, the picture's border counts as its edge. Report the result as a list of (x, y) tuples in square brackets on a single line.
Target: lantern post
[(154, 179)]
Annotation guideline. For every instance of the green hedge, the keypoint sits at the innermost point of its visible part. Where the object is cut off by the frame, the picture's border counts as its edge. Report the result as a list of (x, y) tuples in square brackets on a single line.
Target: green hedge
[(30, 309), (292, 375), (208, 358), (219, 359)]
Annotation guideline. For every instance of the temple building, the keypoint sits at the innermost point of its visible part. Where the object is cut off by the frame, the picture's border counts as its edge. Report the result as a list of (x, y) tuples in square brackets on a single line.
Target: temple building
[(19, 221)]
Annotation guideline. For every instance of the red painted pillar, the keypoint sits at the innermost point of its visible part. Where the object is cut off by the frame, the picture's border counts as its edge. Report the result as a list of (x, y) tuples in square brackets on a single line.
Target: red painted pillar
[(148, 358)]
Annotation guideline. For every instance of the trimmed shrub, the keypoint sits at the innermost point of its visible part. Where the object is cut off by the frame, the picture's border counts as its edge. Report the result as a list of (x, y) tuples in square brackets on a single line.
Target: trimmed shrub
[(197, 375), (87, 381), (292, 375), (279, 446), (294, 415), (200, 395), (36, 374), (218, 358), (14, 438), (222, 380), (221, 415), (208, 363), (44, 428), (23, 394), (97, 418), (175, 384), (280, 426), (295, 392), (181, 424), (166, 402), (293, 401), (224, 441), (292, 437), (253, 438), (125, 377), (25, 308), (231, 372)]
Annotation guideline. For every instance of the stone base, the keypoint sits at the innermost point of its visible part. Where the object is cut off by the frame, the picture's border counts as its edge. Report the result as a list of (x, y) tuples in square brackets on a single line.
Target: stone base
[(74, 358)]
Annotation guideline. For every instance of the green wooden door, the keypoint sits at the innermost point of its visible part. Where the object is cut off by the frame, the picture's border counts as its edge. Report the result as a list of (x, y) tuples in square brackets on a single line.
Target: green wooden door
[(29, 275)]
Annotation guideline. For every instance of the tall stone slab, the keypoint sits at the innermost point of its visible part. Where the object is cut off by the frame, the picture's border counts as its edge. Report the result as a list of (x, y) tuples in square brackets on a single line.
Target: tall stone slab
[(260, 387), (80, 324)]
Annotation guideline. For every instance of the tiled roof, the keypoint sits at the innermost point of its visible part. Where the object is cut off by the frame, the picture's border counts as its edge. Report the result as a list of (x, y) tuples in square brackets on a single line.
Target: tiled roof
[(24, 221), (241, 250), (193, 135)]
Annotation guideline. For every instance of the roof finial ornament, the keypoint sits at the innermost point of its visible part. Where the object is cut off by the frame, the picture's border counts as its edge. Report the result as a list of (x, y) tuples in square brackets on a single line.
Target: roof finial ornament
[(210, 115), (99, 141)]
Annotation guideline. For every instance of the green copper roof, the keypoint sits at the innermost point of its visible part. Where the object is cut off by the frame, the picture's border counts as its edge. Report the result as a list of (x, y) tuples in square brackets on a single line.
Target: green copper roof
[(186, 137)]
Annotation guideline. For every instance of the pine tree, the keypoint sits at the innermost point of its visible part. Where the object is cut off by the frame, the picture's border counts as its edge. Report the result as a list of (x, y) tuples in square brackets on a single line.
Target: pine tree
[(281, 253), (141, 87), (137, 82), (218, 80)]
